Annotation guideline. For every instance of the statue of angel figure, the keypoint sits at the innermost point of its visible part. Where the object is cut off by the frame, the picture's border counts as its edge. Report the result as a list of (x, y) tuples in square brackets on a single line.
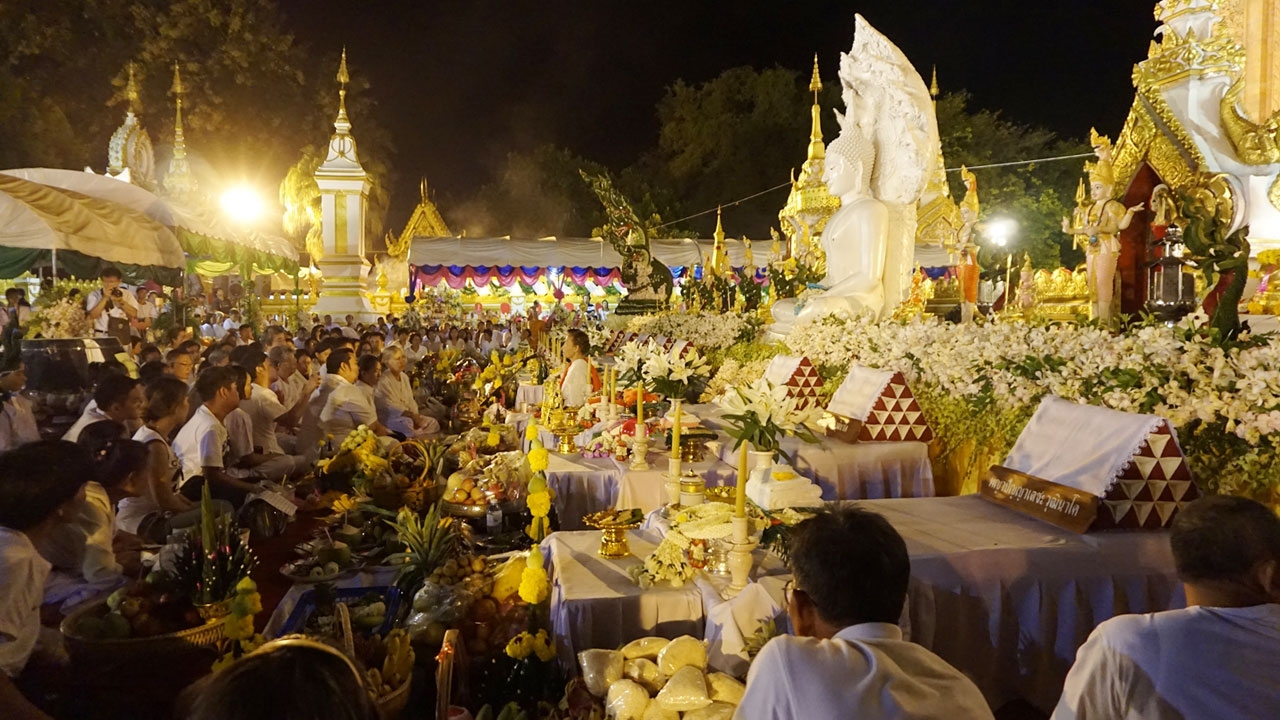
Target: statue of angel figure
[(878, 166)]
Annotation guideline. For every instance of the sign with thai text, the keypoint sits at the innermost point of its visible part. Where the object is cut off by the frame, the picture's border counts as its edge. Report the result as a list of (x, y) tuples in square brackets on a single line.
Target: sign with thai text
[(1066, 507)]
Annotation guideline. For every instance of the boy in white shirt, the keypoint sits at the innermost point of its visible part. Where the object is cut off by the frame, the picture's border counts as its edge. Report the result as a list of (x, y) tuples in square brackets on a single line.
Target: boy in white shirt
[(201, 444), (31, 506), (1219, 657)]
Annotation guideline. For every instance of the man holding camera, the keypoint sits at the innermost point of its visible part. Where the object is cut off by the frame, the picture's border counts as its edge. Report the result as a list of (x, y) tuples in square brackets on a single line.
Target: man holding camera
[(112, 307)]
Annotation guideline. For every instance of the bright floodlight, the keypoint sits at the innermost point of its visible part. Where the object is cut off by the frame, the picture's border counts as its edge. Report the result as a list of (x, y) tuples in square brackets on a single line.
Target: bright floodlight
[(242, 204), (1000, 231)]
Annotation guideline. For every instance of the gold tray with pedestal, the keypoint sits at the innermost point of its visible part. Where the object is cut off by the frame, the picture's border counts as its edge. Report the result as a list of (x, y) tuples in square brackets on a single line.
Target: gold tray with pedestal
[(564, 423), (613, 536)]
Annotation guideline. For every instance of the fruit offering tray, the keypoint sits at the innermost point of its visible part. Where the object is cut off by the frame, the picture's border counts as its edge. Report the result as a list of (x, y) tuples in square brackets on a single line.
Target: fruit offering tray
[(351, 597)]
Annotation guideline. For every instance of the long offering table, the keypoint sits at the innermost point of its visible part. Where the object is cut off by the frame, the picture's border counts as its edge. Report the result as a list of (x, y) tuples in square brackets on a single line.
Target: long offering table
[(1005, 598)]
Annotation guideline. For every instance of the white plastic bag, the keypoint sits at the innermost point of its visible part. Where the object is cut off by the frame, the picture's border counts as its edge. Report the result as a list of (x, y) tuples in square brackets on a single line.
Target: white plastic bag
[(646, 647), (685, 691), (684, 651), (600, 669), (645, 672), (714, 711), (627, 701), (725, 688)]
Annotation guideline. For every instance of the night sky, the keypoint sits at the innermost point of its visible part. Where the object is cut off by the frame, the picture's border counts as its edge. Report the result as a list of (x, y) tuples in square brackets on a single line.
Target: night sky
[(461, 83)]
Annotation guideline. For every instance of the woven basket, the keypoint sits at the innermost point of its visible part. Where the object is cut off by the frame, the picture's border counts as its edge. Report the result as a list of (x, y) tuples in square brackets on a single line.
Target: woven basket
[(100, 652), (389, 706)]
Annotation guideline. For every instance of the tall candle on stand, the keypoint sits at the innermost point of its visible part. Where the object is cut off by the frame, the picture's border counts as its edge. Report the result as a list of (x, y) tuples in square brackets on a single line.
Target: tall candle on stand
[(675, 432), (740, 499)]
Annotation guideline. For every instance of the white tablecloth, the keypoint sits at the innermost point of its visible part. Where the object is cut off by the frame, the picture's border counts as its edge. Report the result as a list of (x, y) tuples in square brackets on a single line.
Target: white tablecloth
[(528, 395), (857, 471), (646, 489), (1008, 599), (582, 486)]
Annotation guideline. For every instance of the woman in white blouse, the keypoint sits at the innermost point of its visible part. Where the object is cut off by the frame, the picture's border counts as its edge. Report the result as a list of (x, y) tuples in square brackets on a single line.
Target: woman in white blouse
[(576, 384), (415, 350), (393, 397), (165, 412)]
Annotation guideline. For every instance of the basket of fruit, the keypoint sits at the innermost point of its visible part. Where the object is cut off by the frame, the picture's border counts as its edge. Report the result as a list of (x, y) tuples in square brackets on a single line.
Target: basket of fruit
[(389, 676), (141, 621), (470, 497)]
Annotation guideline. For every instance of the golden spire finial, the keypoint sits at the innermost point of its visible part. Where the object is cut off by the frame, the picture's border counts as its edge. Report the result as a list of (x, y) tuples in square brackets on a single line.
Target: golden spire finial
[(343, 78), (817, 151), (933, 86), (179, 140), (131, 92), (719, 234)]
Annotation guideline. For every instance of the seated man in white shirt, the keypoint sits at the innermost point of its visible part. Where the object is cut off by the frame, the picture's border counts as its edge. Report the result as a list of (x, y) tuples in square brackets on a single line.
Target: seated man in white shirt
[(1219, 657), (117, 397), (348, 406), (32, 505), (201, 444), (848, 658), (267, 414), (394, 401), (17, 416)]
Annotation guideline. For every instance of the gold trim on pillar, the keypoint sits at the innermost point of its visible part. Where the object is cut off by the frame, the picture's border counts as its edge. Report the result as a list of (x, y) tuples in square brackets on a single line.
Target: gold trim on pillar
[(340, 223)]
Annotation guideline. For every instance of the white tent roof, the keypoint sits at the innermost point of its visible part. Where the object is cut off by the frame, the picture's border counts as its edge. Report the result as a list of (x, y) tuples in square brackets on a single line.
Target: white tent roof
[(37, 216), (555, 252), (167, 212)]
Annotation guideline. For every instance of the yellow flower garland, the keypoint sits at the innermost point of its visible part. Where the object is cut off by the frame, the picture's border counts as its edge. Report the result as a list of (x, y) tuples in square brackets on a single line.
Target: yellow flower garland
[(535, 586)]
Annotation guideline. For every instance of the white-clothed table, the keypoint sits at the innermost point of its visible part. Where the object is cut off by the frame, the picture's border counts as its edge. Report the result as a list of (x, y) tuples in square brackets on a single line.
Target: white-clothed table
[(646, 489), (846, 471), (528, 395), (582, 486), (595, 603), (1008, 599)]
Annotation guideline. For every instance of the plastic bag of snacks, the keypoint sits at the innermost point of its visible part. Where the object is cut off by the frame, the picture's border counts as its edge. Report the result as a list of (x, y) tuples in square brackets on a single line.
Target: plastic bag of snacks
[(601, 669), (627, 700)]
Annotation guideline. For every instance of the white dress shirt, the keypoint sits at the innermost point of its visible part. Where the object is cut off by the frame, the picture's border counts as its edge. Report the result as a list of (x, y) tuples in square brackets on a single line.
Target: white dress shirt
[(414, 356), (348, 407), (131, 511), (290, 390), (394, 397), (310, 429), (576, 385), (201, 443), (101, 324), (83, 545), (1200, 662), (239, 435), (90, 416), (24, 572), (264, 409), (865, 671)]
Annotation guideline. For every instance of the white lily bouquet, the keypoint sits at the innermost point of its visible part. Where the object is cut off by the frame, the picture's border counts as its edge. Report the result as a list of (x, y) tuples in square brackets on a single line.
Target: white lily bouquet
[(670, 373), (632, 359), (763, 413)]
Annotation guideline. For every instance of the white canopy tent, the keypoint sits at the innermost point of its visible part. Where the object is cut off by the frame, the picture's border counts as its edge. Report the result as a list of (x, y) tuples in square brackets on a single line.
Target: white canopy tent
[(171, 214), (557, 252), (36, 219)]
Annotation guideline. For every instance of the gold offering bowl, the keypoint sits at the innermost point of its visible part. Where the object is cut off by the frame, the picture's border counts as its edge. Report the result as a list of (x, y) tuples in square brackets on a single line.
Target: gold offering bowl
[(564, 423), (213, 612), (613, 537)]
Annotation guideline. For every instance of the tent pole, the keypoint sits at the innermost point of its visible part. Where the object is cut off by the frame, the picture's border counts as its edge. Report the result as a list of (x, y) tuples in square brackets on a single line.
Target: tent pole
[(55, 264)]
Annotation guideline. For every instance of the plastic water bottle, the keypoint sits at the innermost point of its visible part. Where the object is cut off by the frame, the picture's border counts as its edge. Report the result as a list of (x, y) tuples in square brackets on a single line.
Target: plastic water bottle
[(493, 518)]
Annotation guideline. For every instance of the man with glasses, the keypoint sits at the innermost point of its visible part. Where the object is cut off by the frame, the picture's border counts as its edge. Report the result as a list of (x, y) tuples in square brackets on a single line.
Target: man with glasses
[(847, 657)]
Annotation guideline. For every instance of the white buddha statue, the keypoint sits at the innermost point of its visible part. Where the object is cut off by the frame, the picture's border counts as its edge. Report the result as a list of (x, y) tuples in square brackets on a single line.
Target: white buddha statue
[(855, 240)]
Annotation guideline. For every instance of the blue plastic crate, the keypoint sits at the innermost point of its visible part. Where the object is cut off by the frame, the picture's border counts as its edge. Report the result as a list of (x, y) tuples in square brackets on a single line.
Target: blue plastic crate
[(307, 605)]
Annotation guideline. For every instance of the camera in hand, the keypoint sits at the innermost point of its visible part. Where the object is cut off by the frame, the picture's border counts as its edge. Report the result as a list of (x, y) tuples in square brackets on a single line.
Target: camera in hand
[(116, 293)]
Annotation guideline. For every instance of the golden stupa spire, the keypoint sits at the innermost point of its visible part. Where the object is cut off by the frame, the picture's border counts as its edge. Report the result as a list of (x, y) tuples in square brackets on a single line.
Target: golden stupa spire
[(817, 151), (131, 93), (343, 78), (933, 88), (179, 140), (179, 182)]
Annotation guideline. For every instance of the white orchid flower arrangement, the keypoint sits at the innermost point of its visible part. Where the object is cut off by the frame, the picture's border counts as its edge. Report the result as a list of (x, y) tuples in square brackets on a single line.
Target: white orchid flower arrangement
[(762, 413)]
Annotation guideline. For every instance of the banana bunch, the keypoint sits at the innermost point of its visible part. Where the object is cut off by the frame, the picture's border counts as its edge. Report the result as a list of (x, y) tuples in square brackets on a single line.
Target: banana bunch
[(397, 667), (510, 711)]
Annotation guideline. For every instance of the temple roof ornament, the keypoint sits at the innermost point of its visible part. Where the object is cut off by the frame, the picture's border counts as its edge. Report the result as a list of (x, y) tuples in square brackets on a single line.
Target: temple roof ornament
[(810, 203), (179, 182), (129, 153), (425, 221), (342, 159), (938, 216), (719, 264)]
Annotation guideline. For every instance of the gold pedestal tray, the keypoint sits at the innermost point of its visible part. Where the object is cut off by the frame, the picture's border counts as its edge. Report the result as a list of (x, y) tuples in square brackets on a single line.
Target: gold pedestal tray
[(564, 423), (613, 538)]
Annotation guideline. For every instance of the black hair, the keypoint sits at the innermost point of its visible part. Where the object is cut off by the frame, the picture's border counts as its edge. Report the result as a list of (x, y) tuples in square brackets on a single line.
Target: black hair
[(243, 378), (286, 683), (113, 389), (368, 363), (27, 498), (239, 354), (371, 334), (325, 344), (149, 371), (303, 353), (212, 380), (164, 395), (115, 458), (111, 271), (580, 340), (149, 349), (852, 564), (339, 357), (1220, 537)]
